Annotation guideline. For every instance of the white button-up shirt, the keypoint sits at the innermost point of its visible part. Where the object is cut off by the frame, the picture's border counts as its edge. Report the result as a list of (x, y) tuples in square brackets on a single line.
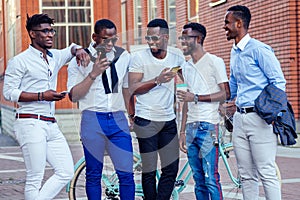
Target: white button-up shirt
[(96, 99), (30, 72)]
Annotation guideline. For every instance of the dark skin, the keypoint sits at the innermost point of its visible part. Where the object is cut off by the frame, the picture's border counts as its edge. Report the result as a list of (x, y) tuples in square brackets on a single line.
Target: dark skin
[(193, 46), (234, 27), (105, 39), (159, 51), (100, 65), (43, 42)]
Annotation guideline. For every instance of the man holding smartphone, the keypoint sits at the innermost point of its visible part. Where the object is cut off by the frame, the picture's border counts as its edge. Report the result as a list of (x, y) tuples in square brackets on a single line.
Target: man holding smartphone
[(151, 80), (102, 93), (30, 80)]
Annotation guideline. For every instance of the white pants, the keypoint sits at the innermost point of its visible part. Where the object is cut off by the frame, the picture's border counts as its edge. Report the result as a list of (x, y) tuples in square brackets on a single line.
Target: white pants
[(43, 142), (255, 146)]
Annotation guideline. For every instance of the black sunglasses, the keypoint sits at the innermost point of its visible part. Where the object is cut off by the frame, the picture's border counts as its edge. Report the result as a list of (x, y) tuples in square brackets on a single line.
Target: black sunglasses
[(154, 38), (108, 40), (186, 37), (47, 31)]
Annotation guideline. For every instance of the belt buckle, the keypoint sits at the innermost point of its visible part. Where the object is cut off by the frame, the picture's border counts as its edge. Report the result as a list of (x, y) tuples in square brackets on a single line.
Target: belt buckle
[(243, 110)]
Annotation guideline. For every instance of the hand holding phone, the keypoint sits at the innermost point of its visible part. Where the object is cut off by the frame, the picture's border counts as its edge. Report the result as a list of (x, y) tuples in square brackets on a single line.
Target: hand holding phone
[(64, 92), (175, 69), (102, 51)]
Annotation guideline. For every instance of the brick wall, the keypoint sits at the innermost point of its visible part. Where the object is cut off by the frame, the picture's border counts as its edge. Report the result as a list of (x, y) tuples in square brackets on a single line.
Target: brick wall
[(273, 22)]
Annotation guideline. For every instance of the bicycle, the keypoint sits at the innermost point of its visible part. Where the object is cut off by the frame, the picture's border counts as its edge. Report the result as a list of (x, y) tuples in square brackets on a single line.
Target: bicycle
[(230, 179)]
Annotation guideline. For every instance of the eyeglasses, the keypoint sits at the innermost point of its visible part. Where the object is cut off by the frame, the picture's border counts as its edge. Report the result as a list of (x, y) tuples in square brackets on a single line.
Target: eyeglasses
[(47, 31), (186, 37), (154, 38), (108, 40)]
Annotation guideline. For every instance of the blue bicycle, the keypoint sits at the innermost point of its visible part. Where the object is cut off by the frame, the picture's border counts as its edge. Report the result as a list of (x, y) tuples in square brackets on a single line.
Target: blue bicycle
[(230, 179)]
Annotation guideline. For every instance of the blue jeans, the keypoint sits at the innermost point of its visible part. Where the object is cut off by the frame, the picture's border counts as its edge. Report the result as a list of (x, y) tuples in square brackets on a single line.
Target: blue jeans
[(203, 158), (158, 138), (108, 132)]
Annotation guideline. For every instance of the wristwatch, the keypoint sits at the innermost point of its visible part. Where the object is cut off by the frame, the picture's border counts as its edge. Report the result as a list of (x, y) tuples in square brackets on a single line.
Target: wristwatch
[(156, 81), (196, 98)]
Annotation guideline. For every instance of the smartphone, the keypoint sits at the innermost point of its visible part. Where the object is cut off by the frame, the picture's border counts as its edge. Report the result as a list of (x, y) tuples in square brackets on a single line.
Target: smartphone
[(175, 69), (102, 51), (64, 92)]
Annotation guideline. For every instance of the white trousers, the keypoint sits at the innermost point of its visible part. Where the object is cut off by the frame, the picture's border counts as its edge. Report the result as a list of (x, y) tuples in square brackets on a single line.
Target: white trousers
[(43, 142), (255, 147)]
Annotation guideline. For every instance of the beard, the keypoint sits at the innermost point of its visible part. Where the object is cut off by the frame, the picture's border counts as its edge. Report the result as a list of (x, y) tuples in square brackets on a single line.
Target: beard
[(157, 52)]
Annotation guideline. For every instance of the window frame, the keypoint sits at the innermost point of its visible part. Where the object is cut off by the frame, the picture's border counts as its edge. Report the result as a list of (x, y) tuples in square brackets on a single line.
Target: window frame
[(194, 18), (67, 24)]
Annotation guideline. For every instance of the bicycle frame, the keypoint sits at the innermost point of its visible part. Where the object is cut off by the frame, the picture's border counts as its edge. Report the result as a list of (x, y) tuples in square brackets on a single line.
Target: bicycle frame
[(183, 177), (235, 180)]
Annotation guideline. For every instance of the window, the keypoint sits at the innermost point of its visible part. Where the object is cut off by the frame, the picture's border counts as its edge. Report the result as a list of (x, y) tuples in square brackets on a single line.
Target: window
[(11, 29), (171, 18), (216, 2), (138, 22), (152, 10), (73, 21), (124, 20), (193, 10)]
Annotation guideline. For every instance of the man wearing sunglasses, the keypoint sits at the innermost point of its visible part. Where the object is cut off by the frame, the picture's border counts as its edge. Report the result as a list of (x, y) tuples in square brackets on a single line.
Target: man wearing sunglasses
[(152, 81), (205, 76), (30, 80), (101, 89)]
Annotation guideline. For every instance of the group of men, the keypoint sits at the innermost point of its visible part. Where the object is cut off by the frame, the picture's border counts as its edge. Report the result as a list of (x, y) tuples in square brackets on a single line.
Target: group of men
[(103, 78)]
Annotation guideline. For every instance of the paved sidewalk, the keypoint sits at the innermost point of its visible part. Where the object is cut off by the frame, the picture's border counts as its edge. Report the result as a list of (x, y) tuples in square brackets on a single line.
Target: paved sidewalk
[(12, 173)]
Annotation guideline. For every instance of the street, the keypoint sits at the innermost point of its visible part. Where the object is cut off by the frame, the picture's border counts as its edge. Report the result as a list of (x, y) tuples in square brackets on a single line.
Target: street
[(12, 172)]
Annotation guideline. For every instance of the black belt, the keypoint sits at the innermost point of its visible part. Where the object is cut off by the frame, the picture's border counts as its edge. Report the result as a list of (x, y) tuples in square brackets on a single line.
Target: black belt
[(245, 110), (34, 116)]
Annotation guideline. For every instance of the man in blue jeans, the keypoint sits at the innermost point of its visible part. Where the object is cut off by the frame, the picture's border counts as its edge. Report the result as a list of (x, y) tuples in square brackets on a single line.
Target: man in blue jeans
[(207, 83), (101, 88)]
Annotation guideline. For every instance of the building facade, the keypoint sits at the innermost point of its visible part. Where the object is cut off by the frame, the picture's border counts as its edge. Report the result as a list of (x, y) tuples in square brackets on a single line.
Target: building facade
[(273, 22)]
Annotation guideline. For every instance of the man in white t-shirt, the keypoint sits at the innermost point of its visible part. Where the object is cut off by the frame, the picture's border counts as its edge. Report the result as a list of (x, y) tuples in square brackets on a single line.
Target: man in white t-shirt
[(151, 80), (207, 83)]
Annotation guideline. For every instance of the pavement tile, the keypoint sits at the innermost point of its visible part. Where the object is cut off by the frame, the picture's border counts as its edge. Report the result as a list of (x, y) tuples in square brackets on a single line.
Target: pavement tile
[(12, 173)]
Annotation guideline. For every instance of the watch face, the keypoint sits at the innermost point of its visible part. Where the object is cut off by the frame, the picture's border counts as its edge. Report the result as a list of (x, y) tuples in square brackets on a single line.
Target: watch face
[(196, 98)]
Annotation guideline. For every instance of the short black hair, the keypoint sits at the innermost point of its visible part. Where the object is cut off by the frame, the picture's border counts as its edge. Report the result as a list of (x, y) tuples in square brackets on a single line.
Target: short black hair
[(37, 19), (103, 24), (197, 27), (243, 13), (163, 24)]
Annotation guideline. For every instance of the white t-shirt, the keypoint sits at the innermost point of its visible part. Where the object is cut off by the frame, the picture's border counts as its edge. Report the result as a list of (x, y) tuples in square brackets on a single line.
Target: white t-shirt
[(157, 103), (203, 78), (96, 99)]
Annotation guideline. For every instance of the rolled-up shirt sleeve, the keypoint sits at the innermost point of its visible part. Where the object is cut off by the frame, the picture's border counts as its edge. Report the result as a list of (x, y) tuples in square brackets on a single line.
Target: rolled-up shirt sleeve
[(12, 80)]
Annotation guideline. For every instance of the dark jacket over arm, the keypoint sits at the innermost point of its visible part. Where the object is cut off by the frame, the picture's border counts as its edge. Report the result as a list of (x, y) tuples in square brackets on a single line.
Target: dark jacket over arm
[(272, 106)]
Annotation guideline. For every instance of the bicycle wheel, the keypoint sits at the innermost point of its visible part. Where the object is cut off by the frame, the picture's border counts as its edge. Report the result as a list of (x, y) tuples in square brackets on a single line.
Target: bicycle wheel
[(77, 185), (109, 182)]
